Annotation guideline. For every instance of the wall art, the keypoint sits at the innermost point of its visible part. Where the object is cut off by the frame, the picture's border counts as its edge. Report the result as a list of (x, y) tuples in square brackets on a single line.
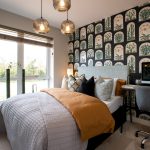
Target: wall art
[(131, 31), (76, 44), (119, 37), (90, 41), (70, 47), (77, 34), (83, 65), (144, 14), (107, 37), (83, 57), (108, 63), (131, 63), (131, 47), (130, 15), (108, 24), (83, 45), (108, 51), (71, 37), (98, 28), (144, 31), (98, 55), (83, 33), (144, 49), (98, 64), (90, 53), (76, 65), (98, 42), (77, 55), (118, 52), (118, 64), (118, 22), (90, 28), (90, 62), (71, 58)]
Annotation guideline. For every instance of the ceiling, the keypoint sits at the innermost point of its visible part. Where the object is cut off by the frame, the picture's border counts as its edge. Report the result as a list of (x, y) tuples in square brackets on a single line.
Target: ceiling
[(82, 12)]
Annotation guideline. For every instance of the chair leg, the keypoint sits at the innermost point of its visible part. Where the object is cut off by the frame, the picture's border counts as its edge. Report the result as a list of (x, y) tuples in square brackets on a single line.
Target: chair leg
[(144, 141), (136, 133), (142, 132)]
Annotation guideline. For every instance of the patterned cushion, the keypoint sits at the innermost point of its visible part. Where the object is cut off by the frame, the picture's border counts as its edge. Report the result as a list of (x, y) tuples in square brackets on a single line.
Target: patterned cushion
[(103, 89), (74, 83)]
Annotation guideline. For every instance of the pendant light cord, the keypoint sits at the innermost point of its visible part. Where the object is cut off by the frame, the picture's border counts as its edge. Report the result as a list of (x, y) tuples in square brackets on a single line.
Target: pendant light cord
[(67, 14), (41, 8)]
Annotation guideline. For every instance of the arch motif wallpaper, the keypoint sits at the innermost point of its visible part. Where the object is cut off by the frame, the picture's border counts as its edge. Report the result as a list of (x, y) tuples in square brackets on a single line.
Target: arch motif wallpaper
[(121, 39)]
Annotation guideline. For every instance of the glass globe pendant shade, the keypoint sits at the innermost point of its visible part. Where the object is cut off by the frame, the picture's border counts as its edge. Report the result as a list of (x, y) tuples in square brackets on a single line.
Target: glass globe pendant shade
[(62, 5), (67, 27), (41, 26)]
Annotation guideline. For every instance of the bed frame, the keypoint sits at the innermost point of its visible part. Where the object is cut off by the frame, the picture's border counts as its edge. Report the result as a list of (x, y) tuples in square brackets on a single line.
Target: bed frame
[(119, 115)]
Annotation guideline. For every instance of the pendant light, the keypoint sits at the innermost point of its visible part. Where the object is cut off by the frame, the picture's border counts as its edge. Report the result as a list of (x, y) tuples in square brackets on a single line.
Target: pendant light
[(67, 26), (41, 25), (62, 5)]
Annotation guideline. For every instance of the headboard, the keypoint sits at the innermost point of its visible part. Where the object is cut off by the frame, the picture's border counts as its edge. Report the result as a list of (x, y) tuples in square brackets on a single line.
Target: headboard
[(120, 72)]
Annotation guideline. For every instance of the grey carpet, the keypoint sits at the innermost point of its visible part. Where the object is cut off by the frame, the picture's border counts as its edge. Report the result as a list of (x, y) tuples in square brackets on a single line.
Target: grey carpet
[(126, 140), (118, 141)]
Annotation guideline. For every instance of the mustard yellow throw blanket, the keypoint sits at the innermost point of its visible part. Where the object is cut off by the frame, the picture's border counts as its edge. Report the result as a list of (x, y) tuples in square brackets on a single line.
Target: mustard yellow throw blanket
[(91, 115)]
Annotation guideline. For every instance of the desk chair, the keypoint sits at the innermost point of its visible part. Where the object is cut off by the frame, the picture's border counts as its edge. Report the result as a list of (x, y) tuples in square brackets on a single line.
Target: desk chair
[(143, 103)]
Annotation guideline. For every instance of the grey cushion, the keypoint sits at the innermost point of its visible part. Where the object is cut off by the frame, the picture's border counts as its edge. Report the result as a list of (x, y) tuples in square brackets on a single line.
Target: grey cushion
[(103, 89)]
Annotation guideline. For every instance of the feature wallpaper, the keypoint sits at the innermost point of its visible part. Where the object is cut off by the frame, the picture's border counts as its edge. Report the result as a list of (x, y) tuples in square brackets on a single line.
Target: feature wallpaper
[(122, 39)]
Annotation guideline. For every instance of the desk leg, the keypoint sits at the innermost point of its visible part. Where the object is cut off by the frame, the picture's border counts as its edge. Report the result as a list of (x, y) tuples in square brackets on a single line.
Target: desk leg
[(130, 105), (125, 104)]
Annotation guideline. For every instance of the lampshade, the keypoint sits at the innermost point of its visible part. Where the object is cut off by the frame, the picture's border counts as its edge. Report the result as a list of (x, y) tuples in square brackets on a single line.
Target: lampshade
[(41, 25), (69, 71), (67, 27), (62, 5)]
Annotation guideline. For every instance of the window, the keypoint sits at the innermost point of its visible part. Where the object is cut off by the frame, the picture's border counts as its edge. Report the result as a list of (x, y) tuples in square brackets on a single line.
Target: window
[(28, 51), (8, 59), (36, 68)]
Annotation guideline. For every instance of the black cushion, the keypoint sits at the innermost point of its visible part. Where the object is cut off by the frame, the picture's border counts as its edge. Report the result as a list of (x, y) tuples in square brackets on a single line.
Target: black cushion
[(87, 86)]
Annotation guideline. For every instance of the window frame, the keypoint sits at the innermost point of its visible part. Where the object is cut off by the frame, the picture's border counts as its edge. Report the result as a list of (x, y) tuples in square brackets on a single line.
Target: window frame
[(22, 37)]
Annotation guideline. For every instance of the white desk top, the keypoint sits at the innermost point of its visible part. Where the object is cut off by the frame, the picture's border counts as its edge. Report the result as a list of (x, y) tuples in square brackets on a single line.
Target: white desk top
[(129, 86)]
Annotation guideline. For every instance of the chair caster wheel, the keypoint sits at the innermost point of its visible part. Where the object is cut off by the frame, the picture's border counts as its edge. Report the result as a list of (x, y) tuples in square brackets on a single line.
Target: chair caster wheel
[(142, 146), (136, 134)]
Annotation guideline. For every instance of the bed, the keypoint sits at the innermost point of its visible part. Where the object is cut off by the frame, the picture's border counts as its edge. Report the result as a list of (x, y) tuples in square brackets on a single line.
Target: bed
[(115, 105), (65, 127)]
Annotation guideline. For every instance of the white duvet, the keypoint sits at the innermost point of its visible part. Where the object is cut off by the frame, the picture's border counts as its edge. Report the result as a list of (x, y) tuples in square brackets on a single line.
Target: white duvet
[(39, 122)]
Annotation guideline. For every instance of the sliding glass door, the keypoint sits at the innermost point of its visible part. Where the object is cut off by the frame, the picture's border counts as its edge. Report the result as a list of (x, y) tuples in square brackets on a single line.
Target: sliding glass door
[(17, 56), (8, 59), (36, 62)]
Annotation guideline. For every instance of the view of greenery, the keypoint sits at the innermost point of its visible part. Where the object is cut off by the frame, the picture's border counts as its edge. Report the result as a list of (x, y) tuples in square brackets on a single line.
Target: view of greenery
[(30, 70)]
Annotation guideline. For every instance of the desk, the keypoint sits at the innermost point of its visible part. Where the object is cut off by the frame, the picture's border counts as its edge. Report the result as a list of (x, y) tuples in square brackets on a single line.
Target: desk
[(127, 90)]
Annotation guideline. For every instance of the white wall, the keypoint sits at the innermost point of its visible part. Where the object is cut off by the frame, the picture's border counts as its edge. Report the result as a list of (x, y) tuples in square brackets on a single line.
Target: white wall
[(60, 41)]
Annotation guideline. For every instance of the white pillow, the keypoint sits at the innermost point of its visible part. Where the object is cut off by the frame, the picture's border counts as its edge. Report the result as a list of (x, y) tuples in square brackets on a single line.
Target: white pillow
[(114, 86), (64, 83), (103, 89)]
